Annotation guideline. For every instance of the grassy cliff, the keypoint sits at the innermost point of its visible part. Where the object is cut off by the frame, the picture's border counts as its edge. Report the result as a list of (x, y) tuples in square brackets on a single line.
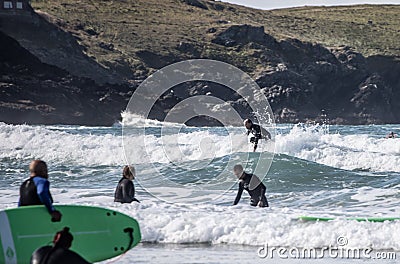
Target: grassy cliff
[(370, 29), (115, 33), (342, 61)]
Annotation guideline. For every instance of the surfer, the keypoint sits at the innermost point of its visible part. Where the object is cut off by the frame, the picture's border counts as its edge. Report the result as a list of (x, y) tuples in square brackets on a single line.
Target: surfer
[(125, 191), (257, 132), (36, 189), (59, 253), (391, 135), (253, 185)]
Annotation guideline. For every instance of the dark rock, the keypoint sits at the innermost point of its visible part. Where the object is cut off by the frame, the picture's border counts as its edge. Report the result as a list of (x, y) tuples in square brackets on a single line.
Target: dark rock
[(40, 35), (244, 34), (79, 26), (307, 78), (91, 32), (106, 46), (374, 99), (154, 60), (211, 30), (217, 6), (47, 78), (221, 21), (188, 48), (195, 3), (37, 93), (288, 114)]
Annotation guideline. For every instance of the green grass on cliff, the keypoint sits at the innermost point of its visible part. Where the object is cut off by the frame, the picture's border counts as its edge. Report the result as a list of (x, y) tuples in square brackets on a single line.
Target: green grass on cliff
[(159, 26), (371, 29)]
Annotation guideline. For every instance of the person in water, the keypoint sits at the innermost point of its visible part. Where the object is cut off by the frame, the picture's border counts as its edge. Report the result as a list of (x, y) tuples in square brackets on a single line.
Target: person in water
[(125, 191), (59, 253), (253, 185), (36, 189), (257, 132), (391, 135)]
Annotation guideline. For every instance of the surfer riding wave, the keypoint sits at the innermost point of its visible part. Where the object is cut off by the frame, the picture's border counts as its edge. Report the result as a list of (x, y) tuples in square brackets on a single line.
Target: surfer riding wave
[(257, 132)]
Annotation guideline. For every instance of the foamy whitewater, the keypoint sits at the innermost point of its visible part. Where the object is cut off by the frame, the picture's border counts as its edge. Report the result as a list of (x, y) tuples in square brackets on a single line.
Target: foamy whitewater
[(339, 171)]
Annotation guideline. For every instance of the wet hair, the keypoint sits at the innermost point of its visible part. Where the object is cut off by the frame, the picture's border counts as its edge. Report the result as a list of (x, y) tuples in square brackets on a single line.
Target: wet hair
[(238, 167), (63, 238), (39, 168), (128, 171), (248, 121)]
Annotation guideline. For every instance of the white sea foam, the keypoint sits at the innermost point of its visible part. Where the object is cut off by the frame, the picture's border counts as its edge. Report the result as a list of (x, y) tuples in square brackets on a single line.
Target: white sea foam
[(216, 223), (24, 142), (166, 223), (350, 152), (28, 142), (254, 226), (184, 147), (133, 120)]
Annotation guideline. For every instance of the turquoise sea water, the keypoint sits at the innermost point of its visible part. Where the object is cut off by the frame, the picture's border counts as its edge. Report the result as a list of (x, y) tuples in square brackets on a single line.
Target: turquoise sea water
[(336, 171)]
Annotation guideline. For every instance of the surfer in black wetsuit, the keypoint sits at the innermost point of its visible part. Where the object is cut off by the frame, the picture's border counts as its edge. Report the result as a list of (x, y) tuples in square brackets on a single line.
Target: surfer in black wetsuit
[(391, 135), (59, 253), (125, 191), (257, 132), (35, 190), (252, 184)]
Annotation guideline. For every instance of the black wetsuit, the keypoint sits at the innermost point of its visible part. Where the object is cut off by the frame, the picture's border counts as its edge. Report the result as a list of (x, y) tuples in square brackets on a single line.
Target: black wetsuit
[(258, 133), (35, 191), (257, 194), (56, 255), (125, 191)]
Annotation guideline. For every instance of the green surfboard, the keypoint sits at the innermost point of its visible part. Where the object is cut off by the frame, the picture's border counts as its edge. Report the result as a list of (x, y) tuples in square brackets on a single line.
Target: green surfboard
[(99, 233), (359, 219)]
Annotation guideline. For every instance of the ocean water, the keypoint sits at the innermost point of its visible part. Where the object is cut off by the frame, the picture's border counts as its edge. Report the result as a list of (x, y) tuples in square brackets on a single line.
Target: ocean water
[(335, 171)]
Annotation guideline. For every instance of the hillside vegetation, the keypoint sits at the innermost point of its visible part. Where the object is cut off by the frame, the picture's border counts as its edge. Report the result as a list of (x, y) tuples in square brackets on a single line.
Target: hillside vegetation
[(314, 64), (115, 32)]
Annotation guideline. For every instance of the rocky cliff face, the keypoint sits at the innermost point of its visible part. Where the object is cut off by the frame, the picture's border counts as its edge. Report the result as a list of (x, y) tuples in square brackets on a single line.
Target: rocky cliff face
[(37, 93), (54, 46), (307, 82), (47, 77)]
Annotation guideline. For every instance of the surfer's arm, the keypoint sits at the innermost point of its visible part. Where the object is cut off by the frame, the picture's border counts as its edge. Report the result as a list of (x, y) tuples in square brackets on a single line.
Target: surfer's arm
[(43, 191), (255, 146), (239, 194), (267, 135), (125, 193), (264, 134), (133, 195), (128, 192), (131, 192)]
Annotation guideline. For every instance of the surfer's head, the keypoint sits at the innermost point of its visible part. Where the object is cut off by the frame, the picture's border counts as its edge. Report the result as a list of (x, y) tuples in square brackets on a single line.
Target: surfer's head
[(129, 172), (38, 168), (247, 123), (238, 170), (63, 238)]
